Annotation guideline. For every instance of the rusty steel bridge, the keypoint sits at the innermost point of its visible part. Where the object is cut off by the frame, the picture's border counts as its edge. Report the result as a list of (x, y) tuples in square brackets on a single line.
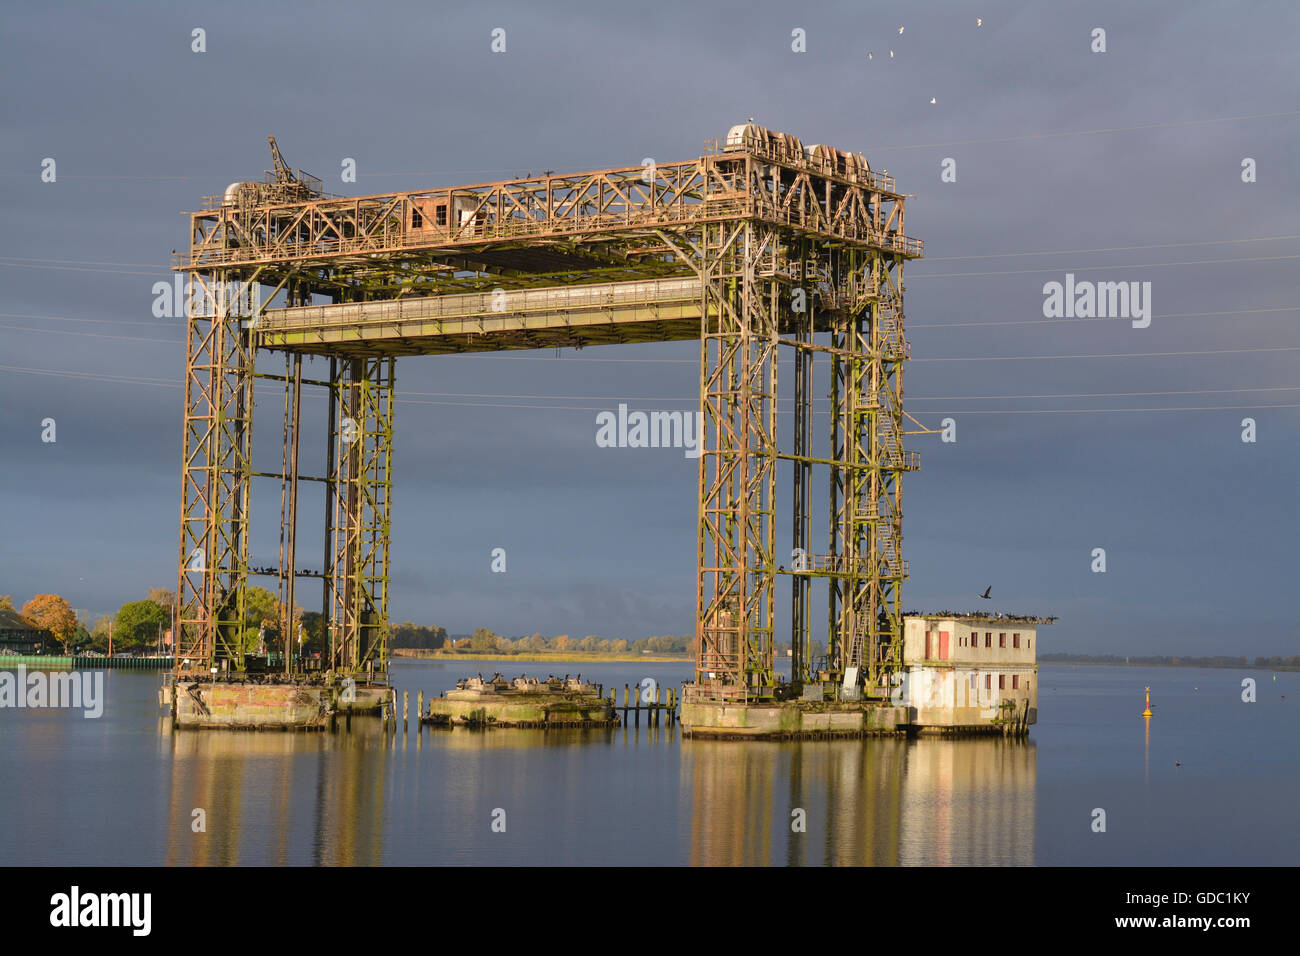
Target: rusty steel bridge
[(759, 244)]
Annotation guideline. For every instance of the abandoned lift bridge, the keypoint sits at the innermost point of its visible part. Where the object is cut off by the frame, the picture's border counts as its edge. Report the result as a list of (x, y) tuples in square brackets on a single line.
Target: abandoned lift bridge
[(757, 245)]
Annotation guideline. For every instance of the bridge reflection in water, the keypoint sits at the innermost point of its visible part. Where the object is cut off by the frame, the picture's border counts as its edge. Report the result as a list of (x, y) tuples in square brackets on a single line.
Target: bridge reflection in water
[(366, 797), (266, 796), (880, 802)]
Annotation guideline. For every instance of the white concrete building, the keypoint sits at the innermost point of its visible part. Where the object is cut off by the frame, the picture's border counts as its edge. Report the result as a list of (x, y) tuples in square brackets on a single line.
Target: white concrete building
[(971, 672)]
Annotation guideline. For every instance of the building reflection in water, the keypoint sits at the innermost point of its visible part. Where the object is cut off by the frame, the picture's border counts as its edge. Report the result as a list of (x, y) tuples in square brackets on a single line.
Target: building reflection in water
[(969, 802), (874, 802)]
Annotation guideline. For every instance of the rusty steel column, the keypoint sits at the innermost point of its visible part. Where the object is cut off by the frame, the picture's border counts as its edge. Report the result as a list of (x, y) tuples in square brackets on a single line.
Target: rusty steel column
[(361, 524), (289, 569), (215, 473), (736, 588)]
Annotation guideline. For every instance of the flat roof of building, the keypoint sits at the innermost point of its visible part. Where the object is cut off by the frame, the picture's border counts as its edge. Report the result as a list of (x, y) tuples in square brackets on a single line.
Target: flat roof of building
[(991, 617)]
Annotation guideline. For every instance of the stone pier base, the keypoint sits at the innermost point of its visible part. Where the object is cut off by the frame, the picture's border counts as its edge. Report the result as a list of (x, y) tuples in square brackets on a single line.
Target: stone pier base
[(467, 708), (232, 706), (361, 699), (790, 719)]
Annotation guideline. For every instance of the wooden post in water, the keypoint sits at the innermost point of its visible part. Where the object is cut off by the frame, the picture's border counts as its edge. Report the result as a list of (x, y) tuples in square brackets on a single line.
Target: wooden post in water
[(419, 710), (625, 703), (406, 702), (658, 692)]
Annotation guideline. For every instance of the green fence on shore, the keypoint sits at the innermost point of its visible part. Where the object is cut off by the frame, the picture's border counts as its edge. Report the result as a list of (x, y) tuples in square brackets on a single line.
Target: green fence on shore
[(63, 662)]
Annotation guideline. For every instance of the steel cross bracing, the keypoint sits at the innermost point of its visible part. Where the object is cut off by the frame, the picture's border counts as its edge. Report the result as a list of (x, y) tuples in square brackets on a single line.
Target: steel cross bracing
[(361, 481), (215, 473), (717, 249)]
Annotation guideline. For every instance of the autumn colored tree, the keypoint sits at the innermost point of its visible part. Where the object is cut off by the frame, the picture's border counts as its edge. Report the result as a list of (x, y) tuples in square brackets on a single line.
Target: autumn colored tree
[(297, 618), (7, 603), (54, 614)]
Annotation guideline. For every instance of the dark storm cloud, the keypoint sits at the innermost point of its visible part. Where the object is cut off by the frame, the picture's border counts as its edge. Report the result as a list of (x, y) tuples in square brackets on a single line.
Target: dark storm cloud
[(1199, 528)]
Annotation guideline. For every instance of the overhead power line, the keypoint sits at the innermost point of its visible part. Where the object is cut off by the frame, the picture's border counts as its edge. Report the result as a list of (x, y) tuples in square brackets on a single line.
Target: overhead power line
[(1149, 245), (406, 399), (1082, 268)]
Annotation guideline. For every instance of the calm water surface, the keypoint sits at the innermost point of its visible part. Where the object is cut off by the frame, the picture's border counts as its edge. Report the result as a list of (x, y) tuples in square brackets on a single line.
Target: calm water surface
[(121, 789)]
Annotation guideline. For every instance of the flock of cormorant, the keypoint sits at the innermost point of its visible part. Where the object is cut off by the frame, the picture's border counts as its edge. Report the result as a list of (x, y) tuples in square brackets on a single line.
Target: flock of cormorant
[(997, 615)]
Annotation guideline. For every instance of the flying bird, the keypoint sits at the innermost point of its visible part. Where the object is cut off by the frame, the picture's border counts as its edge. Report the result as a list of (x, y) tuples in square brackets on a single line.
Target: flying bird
[(932, 100), (900, 31), (979, 22), (891, 54), (988, 590), (869, 56)]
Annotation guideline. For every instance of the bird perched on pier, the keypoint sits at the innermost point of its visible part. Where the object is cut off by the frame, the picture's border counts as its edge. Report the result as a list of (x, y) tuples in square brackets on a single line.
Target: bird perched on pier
[(987, 591)]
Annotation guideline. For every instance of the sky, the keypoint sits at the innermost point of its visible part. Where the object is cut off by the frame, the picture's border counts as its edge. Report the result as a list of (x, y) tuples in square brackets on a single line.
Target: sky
[(1122, 164)]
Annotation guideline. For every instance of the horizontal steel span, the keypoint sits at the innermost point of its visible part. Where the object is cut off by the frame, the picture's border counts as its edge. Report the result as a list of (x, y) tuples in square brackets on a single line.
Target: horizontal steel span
[(603, 313), (611, 224)]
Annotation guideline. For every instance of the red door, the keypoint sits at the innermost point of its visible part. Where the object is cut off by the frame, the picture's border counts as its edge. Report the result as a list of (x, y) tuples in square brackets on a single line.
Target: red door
[(943, 645)]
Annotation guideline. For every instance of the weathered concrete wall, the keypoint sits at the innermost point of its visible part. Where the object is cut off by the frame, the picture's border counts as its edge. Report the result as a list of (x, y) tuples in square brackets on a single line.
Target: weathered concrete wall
[(787, 719), (530, 710), (958, 697), (975, 687), (967, 640), (252, 706), (361, 699)]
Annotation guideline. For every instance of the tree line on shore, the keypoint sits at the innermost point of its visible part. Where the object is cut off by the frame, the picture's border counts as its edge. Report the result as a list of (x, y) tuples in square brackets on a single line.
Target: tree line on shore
[(486, 641), (142, 626)]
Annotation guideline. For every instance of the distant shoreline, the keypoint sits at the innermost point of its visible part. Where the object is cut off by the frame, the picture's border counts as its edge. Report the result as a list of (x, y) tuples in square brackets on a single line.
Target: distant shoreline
[(1222, 667), (589, 657), (557, 657)]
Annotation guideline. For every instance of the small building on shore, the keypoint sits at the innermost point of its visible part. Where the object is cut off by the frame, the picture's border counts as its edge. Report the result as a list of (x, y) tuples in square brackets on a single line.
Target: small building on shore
[(969, 673), (20, 636)]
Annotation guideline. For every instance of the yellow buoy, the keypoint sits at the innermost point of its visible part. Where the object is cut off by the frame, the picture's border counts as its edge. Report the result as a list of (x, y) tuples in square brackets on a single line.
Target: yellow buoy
[(1147, 712)]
